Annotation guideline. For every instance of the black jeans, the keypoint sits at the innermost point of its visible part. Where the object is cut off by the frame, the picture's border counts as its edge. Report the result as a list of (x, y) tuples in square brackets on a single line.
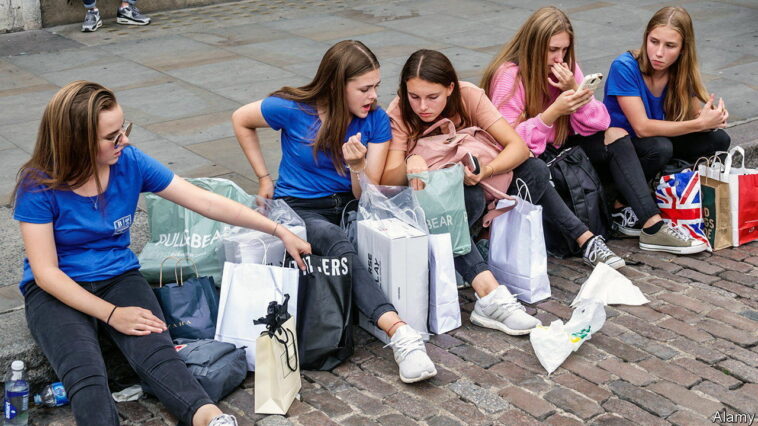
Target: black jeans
[(535, 174), (656, 151), (322, 217), (471, 264), (619, 160), (69, 339)]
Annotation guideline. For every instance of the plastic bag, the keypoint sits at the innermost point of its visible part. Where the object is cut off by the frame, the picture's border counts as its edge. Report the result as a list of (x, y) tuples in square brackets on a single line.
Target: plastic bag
[(607, 285), (554, 344), (386, 202)]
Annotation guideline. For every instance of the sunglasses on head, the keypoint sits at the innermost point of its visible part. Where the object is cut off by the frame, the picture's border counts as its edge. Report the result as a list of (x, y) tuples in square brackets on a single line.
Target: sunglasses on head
[(124, 131)]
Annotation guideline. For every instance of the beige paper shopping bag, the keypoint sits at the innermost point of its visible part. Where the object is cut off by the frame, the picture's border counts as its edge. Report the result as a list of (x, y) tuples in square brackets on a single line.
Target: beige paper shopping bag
[(277, 372)]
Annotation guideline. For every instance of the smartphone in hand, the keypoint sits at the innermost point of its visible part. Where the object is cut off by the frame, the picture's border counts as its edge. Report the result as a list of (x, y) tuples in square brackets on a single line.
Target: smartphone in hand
[(591, 82), (472, 163)]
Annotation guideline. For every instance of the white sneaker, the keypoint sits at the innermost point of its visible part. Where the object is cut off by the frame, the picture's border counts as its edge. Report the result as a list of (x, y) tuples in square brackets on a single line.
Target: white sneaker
[(597, 252), (410, 355), (501, 311), (223, 420)]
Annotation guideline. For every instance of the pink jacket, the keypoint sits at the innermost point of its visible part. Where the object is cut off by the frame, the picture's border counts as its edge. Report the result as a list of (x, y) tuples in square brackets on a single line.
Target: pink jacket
[(589, 119)]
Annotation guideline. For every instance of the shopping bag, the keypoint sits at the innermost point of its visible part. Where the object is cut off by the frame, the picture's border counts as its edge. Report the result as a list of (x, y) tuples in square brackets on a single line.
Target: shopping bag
[(244, 245), (324, 312), (608, 286), (554, 344), (715, 199), (444, 205), (190, 307), (176, 231), (678, 198), (245, 292), (517, 254), (743, 199), (277, 380), (444, 308)]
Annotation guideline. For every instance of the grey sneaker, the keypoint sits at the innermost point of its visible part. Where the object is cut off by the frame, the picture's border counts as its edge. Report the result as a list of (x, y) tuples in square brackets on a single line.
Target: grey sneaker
[(671, 239), (130, 15), (597, 252), (500, 310), (92, 21), (410, 354), (626, 222), (223, 420)]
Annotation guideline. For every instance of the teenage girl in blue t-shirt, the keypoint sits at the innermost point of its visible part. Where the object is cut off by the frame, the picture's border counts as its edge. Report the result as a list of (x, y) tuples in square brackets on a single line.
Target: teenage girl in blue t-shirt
[(657, 95), (332, 131), (75, 200)]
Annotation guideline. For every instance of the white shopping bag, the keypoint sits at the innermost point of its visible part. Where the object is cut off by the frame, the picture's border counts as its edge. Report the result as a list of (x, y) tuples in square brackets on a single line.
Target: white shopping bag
[(517, 255), (250, 246), (444, 308), (246, 290), (397, 257)]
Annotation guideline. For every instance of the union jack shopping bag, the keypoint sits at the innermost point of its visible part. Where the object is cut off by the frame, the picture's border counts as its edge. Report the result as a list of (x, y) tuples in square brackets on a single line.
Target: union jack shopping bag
[(678, 198)]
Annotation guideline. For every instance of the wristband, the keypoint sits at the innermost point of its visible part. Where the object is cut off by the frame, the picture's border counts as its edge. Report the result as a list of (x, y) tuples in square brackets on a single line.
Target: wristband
[(356, 172), (109, 316), (275, 227)]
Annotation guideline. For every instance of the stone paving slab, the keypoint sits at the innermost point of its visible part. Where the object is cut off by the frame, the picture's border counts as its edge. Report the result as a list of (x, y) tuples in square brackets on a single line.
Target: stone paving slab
[(691, 351)]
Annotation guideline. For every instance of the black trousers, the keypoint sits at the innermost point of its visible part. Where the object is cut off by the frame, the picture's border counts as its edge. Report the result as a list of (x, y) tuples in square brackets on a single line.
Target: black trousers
[(656, 151)]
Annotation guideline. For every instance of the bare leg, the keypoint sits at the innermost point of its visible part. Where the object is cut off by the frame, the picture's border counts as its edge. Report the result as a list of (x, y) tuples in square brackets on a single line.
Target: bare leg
[(584, 237), (205, 414), (389, 322)]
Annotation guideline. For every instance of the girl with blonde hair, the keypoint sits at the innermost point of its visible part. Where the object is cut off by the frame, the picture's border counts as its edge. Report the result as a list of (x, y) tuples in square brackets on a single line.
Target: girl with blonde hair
[(332, 131), (657, 94), (75, 200), (534, 81)]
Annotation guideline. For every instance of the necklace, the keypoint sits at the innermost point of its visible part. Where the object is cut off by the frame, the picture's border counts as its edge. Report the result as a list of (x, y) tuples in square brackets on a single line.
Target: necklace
[(94, 201)]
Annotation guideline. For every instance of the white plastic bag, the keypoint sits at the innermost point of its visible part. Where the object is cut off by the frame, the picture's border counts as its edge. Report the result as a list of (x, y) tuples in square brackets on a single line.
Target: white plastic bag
[(554, 344), (607, 285)]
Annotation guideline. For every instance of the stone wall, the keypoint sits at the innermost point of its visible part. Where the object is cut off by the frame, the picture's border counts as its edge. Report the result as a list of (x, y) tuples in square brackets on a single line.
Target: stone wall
[(18, 15)]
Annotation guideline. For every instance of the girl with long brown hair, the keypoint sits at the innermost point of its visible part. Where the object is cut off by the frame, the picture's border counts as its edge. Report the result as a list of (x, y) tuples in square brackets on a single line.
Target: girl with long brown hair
[(534, 81), (332, 131), (75, 200), (657, 94), (430, 91)]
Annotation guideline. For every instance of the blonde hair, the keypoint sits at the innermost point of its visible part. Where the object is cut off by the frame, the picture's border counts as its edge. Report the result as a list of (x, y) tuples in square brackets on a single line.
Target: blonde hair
[(528, 50), (684, 81), (65, 154), (344, 61)]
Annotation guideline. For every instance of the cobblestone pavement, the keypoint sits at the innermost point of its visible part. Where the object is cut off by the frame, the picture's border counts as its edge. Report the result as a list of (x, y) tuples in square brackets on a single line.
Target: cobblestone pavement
[(690, 353)]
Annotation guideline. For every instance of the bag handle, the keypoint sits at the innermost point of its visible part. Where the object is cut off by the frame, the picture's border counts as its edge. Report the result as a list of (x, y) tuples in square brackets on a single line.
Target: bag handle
[(289, 336), (520, 184), (439, 124), (343, 225), (160, 273), (729, 155), (707, 161)]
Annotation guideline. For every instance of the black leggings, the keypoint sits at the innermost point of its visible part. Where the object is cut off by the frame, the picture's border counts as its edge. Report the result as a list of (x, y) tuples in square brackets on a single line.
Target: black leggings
[(69, 339), (656, 151)]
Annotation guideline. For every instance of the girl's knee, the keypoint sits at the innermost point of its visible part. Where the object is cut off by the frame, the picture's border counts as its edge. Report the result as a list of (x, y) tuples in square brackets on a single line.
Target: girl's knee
[(721, 140), (613, 134)]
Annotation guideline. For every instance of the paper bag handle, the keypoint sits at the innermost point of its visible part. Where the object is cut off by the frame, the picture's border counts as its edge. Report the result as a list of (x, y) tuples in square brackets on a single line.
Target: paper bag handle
[(728, 162)]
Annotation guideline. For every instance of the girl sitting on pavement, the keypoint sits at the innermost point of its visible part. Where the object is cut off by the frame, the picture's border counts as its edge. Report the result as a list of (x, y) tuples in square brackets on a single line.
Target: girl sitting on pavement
[(534, 82), (657, 94), (332, 131), (430, 91), (75, 200)]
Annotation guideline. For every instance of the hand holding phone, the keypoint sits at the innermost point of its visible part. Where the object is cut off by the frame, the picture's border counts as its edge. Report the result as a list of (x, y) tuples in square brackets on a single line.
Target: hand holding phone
[(591, 82), (472, 163)]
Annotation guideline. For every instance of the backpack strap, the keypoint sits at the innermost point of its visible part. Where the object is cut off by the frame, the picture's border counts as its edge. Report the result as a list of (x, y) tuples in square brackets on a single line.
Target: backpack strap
[(445, 121)]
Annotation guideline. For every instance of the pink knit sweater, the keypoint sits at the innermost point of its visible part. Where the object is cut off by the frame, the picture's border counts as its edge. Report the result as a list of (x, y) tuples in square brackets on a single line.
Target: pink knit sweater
[(589, 119)]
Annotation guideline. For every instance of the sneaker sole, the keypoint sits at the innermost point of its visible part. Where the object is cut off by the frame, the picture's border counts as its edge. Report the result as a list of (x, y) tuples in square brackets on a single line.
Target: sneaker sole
[(426, 375), (629, 232), (124, 21), (614, 265), (92, 30), (481, 321), (674, 250)]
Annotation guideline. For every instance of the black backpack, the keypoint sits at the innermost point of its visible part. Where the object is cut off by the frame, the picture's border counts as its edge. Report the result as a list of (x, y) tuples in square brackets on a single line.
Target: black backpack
[(579, 185)]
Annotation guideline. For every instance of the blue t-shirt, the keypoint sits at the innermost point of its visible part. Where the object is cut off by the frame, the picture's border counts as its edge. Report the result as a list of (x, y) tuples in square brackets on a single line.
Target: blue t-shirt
[(299, 175), (92, 233), (625, 79)]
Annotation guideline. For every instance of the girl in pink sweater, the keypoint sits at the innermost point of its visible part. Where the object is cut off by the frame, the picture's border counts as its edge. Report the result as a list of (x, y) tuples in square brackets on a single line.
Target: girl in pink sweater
[(534, 83)]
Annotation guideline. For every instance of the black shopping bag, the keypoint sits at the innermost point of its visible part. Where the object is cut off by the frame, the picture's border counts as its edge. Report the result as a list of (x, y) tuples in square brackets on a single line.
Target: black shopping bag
[(190, 306), (324, 312)]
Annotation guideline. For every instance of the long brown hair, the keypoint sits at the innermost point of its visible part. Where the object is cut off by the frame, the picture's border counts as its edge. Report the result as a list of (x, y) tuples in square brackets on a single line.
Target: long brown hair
[(528, 50), (343, 62), (65, 153), (434, 67), (684, 74)]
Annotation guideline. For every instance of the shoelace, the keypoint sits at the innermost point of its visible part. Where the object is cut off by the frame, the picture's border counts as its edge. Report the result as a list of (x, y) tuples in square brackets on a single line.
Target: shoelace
[(599, 249), (407, 344), (628, 218), (509, 302), (678, 232)]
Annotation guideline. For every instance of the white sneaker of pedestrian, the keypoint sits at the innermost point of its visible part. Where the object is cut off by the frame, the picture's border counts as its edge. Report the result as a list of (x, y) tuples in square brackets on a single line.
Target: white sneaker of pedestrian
[(410, 355), (500, 310)]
